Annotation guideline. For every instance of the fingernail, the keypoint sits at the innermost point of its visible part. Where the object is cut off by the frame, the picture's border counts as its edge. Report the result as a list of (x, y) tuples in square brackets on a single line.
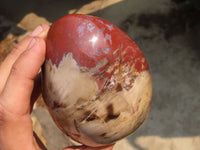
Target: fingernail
[(31, 44), (37, 31)]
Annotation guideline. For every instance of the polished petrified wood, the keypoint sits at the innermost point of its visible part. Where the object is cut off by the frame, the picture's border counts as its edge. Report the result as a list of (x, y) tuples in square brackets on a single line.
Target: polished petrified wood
[(96, 81)]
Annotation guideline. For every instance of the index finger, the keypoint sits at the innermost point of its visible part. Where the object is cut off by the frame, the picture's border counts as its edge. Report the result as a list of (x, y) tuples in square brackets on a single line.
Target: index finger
[(6, 65)]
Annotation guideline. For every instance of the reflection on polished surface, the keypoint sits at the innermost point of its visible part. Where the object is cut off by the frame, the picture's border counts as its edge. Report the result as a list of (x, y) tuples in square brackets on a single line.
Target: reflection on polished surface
[(94, 39)]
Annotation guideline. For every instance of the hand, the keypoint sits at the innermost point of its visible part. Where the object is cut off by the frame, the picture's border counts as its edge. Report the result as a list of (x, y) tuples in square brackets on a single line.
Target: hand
[(19, 88)]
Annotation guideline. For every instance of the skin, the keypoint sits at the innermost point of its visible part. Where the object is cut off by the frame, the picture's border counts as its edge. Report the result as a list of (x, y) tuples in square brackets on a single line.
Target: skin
[(19, 89)]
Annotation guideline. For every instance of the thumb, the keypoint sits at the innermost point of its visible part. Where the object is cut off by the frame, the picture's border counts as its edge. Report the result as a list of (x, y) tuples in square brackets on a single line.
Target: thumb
[(17, 92)]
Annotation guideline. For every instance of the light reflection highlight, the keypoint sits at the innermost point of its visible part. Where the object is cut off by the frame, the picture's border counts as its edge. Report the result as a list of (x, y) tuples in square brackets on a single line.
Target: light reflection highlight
[(94, 39)]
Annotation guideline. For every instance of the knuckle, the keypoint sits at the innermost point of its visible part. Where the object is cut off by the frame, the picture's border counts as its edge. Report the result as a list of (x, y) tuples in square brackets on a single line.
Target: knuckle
[(20, 48)]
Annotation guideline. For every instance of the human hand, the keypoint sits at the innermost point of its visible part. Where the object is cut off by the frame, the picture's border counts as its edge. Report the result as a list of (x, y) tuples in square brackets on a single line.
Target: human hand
[(19, 88)]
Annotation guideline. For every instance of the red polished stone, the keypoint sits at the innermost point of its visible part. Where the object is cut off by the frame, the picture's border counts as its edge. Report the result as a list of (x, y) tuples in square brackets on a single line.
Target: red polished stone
[(109, 96), (91, 39)]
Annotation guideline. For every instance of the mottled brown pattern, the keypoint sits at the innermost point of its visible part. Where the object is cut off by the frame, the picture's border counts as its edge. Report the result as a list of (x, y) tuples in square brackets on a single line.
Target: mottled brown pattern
[(85, 115), (92, 117), (57, 104), (111, 115), (119, 87), (89, 116), (130, 76), (103, 134)]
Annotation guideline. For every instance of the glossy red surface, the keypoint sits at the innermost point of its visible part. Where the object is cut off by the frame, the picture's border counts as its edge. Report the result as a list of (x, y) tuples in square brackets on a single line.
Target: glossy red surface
[(90, 40), (101, 92)]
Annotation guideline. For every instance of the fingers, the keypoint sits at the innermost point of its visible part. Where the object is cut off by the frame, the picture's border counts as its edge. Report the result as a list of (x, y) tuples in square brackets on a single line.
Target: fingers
[(5, 67), (110, 147), (17, 92)]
